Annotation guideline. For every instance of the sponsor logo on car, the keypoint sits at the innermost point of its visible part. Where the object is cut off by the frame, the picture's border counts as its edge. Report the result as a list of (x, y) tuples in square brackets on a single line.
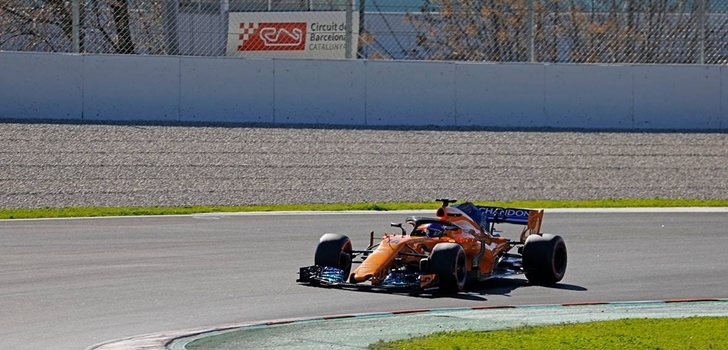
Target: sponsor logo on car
[(519, 213)]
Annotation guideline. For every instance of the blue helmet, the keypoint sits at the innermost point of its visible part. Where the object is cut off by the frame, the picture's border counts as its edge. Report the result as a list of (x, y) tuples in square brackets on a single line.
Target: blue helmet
[(432, 230)]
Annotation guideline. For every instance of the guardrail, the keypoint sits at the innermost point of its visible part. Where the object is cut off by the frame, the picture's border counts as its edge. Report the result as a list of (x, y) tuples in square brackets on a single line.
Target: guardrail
[(362, 92)]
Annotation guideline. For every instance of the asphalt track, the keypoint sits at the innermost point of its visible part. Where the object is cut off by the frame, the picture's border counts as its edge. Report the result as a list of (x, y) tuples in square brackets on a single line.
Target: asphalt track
[(68, 284)]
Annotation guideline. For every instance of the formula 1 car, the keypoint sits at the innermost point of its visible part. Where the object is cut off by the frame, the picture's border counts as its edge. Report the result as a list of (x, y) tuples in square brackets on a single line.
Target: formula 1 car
[(444, 253)]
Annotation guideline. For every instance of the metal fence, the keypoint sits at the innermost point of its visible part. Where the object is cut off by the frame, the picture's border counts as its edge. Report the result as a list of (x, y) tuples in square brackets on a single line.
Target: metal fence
[(575, 31)]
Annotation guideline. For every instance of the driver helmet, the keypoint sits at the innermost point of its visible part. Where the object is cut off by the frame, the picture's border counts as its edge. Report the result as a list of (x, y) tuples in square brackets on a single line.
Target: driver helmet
[(432, 230)]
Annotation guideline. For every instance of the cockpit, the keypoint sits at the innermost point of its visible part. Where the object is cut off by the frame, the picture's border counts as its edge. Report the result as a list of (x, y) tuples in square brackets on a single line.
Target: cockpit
[(421, 225)]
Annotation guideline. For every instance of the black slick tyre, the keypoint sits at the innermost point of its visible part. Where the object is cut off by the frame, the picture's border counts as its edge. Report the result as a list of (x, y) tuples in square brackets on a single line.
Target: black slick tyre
[(544, 259), (334, 250), (447, 261)]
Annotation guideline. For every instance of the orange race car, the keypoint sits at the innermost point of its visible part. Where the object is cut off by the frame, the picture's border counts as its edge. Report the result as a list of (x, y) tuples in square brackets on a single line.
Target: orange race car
[(460, 245)]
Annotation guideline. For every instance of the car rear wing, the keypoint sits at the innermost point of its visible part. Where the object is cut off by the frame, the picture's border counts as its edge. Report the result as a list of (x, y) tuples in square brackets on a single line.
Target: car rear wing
[(528, 217)]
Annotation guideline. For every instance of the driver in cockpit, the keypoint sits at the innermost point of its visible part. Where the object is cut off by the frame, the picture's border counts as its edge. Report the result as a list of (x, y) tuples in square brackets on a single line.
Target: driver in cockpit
[(432, 230)]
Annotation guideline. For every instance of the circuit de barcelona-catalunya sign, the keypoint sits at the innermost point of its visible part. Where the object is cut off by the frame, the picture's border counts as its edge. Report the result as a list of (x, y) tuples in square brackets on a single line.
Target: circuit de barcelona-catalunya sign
[(290, 34)]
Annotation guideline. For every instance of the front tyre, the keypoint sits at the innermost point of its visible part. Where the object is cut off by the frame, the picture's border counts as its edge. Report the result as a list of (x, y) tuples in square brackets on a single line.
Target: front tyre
[(544, 259), (334, 250), (447, 261)]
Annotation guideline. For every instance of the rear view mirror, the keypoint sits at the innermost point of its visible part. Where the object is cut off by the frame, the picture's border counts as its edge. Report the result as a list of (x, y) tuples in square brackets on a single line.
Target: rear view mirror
[(399, 225)]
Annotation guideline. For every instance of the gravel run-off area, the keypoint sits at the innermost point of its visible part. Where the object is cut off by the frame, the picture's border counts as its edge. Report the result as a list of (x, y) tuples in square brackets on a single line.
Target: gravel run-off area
[(64, 165)]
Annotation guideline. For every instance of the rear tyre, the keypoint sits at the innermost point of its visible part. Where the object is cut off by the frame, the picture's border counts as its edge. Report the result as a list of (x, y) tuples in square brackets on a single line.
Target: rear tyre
[(544, 259), (448, 263), (334, 250)]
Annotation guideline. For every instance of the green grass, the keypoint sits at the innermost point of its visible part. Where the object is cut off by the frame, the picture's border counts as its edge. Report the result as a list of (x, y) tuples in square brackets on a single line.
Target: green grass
[(125, 211), (674, 333)]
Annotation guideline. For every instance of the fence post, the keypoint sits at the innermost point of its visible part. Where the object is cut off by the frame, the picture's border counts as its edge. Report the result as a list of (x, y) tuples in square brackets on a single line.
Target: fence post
[(531, 54), (349, 24), (224, 19), (701, 17), (76, 25), (170, 11), (362, 30)]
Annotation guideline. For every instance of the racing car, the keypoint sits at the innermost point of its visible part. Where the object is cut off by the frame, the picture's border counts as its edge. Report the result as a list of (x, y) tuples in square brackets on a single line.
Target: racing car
[(443, 253)]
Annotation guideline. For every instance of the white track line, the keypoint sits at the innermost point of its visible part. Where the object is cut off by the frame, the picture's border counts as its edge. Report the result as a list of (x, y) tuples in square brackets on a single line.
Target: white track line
[(399, 212)]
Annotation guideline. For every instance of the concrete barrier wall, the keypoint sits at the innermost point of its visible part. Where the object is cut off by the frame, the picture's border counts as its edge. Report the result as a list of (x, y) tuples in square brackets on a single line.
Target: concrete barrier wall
[(595, 96), (724, 98), (684, 97), (131, 87), (319, 92), (410, 93), (504, 95), (38, 86), (359, 93), (226, 90)]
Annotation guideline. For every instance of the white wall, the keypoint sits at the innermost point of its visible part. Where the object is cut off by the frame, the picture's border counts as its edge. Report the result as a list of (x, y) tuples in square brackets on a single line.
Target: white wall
[(40, 86), (131, 88), (724, 98), (684, 97), (588, 96), (319, 92), (226, 90), (500, 95), (341, 92), (410, 93)]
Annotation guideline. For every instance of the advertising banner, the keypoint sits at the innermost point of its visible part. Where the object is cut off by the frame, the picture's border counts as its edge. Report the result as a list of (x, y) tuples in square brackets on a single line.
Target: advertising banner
[(290, 34)]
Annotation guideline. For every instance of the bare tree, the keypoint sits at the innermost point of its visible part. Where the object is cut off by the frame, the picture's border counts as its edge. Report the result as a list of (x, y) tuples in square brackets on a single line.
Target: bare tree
[(120, 14), (494, 30), (47, 25), (654, 31)]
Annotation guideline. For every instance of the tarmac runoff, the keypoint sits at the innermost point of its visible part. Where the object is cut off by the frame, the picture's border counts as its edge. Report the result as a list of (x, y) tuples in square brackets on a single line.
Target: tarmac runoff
[(357, 331)]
